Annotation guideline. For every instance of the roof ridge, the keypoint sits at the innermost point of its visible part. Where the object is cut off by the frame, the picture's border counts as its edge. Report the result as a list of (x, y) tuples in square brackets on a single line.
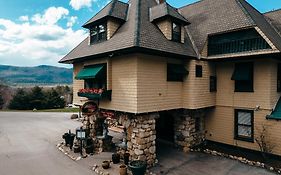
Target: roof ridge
[(137, 23), (177, 10), (272, 11), (244, 10)]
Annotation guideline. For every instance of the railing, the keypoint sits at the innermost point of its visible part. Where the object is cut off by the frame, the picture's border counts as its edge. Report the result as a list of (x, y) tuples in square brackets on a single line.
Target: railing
[(237, 46)]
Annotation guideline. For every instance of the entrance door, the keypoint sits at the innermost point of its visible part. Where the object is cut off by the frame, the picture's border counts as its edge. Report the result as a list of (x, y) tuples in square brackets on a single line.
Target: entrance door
[(165, 127)]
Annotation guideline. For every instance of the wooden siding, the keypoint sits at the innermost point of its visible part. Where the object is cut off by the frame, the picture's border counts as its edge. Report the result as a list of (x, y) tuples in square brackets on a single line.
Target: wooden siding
[(121, 78), (220, 128), (77, 84), (262, 85), (155, 93), (112, 27), (196, 90), (220, 122), (165, 27)]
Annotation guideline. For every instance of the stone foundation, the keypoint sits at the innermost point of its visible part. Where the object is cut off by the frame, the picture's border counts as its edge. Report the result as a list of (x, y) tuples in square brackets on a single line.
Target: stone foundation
[(186, 135), (142, 138)]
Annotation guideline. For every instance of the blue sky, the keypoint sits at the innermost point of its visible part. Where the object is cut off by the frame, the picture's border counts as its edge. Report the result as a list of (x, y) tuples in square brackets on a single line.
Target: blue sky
[(36, 32)]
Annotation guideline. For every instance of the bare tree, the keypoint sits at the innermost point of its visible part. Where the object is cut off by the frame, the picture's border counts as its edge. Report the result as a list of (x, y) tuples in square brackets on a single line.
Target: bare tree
[(266, 147)]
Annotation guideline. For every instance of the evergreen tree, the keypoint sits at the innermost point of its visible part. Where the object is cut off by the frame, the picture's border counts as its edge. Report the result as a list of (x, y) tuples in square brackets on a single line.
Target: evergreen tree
[(37, 98), (1, 101), (54, 100), (20, 101)]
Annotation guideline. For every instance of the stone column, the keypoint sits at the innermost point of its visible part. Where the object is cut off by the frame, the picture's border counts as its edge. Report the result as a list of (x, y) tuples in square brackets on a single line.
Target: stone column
[(142, 138), (185, 134)]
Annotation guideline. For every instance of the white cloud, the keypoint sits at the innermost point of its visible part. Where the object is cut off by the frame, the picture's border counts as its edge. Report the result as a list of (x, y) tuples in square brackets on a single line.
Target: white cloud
[(71, 21), (78, 4), (51, 16), (40, 41), (24, 18)]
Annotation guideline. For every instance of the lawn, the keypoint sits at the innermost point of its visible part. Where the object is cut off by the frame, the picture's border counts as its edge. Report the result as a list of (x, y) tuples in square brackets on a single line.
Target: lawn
[(70, 110)]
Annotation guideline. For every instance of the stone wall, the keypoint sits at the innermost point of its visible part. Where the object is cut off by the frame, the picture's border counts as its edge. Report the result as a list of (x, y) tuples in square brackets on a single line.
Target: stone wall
[(186, 135)]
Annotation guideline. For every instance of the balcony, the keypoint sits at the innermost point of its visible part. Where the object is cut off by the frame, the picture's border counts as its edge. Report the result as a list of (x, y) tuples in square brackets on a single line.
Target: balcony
[(95, 94)]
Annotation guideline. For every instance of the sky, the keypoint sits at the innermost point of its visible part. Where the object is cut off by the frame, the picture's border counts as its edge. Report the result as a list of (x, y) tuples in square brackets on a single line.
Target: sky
[(41, 32)]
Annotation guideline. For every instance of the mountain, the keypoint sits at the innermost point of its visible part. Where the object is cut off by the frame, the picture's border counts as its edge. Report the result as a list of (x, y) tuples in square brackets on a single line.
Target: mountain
[(39, 75)]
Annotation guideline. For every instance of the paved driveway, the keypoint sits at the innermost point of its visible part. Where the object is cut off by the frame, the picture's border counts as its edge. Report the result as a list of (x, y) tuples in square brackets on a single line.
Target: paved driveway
[(28, 144), (28, 147), (173, 162)]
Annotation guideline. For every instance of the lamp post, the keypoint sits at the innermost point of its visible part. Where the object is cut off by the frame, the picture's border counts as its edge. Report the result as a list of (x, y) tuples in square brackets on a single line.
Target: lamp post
[(81, 135)]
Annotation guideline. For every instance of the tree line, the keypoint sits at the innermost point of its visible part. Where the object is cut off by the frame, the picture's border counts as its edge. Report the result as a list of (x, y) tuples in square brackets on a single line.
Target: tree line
[(37, 98)]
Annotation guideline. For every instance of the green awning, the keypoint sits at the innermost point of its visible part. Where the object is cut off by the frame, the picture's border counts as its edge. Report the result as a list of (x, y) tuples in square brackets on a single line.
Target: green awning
[(243, 72), (89, 72), (276, 114)]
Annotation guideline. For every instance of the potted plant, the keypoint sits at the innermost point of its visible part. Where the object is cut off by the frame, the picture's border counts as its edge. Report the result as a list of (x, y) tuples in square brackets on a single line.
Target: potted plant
[(105, 164), (138, 167), (76, 148), (123, 170), (115, 158)]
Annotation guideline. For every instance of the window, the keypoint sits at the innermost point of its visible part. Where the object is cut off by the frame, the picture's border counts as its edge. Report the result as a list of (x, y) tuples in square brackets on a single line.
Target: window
[(244, 121), (176, 32), (176, 72), (235, 42), (95, 76), (198, 71), (98, 33), (213, 84), (279, 78), (243, 76)]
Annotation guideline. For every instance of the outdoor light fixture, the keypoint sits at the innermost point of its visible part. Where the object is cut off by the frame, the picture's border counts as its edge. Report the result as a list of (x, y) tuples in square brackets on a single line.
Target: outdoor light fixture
[(81, 135)]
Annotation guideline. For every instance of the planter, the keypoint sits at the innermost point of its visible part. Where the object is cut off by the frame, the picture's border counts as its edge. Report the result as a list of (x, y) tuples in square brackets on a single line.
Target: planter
[(126, 158), (76, 149), (89, 149), (138, 167), (123, 170), (115, 158), (105, 164), (68, 138)]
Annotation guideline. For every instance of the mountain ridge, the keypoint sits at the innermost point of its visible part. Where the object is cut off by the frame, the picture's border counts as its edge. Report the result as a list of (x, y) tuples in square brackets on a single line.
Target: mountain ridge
[(42, 74)]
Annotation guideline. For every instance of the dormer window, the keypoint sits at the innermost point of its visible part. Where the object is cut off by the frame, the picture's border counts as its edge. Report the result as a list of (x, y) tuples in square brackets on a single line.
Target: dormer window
[(176, 32), (98, 33)]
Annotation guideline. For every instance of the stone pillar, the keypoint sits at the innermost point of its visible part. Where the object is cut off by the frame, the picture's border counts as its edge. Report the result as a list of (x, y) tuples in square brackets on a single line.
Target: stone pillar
[(185, 134), (142, 138)]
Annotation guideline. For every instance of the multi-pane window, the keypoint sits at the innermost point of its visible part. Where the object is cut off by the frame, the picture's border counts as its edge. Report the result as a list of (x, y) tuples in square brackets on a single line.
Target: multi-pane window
[(176, 32), (244, 121), (176, 72), (213, 84), (244, 77), (98, 33), (198, 71), (235, 42), (279, 78)]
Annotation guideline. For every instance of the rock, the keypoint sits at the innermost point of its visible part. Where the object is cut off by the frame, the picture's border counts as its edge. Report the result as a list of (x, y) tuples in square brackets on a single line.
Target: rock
[(73, 116), (271, 169), (152, 149), (138, 152)]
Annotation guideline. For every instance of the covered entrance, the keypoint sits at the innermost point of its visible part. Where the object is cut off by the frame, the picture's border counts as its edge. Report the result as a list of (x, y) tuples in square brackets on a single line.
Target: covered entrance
[(165, 125)]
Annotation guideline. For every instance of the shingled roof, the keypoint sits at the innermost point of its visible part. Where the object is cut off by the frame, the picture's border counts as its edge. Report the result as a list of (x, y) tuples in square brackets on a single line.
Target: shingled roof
[(274, 17), (217, 16), (166, 10), (115, 9), (136, 33)]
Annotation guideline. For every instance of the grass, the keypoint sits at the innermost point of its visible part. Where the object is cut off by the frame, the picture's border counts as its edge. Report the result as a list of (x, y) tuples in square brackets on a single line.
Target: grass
[(70, 110)]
